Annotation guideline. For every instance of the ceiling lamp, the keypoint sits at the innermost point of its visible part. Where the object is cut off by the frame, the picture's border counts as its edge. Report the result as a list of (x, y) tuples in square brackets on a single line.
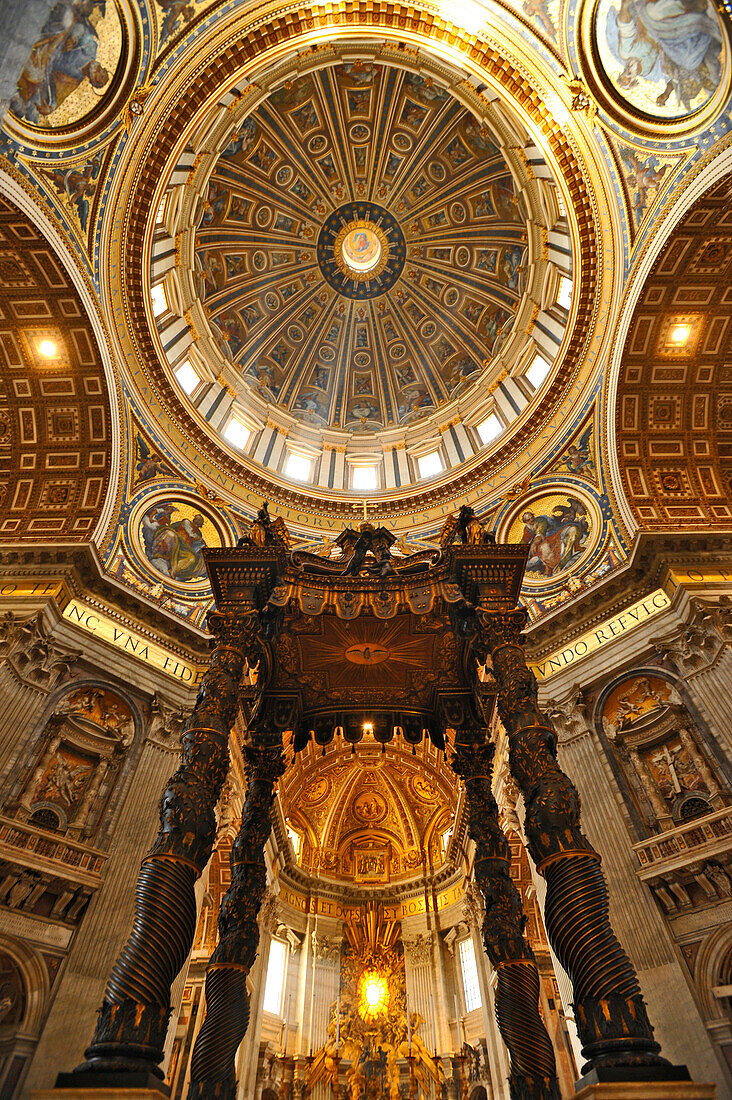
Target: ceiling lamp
[(48, 349), (680, 334)]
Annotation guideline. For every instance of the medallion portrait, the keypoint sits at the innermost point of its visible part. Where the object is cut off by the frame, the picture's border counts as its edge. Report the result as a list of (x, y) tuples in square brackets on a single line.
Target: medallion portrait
[(559, 531), (665, 58), (72, 65), (174, 534)]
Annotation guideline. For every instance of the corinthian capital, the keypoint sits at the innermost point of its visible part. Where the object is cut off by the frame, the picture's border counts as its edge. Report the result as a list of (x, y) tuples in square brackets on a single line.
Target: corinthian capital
[(568, 716), (501, 628)]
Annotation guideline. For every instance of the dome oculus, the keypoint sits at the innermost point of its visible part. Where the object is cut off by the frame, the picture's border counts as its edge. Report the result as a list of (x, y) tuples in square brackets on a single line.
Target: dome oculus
[(361, 250)]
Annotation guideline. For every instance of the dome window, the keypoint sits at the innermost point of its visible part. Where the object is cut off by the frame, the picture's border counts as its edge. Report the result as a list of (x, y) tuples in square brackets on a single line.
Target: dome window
[(159, 299), (298, 467), (539, 368), (365, 477), (237, 434), (489, 428), (564, 297), (430, 465), (187, 377)]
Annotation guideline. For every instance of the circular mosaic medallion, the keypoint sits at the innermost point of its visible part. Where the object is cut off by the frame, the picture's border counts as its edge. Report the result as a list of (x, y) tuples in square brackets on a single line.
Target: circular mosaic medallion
[(361, 250)]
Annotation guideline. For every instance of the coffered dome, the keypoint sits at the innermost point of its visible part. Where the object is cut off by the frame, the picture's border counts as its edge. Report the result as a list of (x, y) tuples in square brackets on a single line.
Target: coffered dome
[(361, 271), (362, 247)]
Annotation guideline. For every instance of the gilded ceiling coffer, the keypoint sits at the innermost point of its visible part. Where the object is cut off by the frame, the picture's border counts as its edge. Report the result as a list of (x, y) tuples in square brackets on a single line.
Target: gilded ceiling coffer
[(533, 1069), (390, 646)]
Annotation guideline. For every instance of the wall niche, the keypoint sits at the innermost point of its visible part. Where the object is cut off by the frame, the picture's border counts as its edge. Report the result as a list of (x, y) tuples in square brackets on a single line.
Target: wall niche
[(82, 749), (668, 770)]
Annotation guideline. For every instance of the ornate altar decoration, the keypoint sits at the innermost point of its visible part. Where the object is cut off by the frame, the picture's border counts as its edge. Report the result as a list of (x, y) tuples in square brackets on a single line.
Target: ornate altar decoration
[(671, 780), (389, 645), (80, 755), (372, 1032)]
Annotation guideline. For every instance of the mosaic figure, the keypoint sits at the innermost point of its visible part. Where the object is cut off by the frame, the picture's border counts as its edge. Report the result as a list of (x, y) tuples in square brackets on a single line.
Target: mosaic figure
[(578, 457), (78, 185), (663, 56), (175, 546), (63, 58), (556, 538)]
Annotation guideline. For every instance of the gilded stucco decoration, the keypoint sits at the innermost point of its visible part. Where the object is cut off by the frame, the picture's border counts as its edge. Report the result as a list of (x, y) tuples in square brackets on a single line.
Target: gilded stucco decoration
[(367, 816), (55, 417), (243, 487), (424, 305), (445, 345), (673, 409)]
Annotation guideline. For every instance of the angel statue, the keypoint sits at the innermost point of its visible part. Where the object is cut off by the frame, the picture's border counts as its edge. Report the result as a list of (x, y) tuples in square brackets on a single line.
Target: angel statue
[(357, 544), (467, 527), (264, 530)]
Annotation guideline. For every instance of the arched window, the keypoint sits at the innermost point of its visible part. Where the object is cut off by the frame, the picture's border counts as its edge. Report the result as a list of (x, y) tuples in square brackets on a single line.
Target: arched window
[(469, 972)]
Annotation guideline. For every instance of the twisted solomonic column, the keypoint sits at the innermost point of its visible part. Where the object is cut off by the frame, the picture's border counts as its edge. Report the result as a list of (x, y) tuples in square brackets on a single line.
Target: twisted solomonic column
[(213, 1076), (133, 1019), (533, 1071), (609, 1009)]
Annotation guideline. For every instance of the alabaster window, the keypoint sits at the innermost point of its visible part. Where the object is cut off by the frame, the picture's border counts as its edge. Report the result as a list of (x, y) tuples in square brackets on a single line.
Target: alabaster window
[(469, 971), (275, 983)]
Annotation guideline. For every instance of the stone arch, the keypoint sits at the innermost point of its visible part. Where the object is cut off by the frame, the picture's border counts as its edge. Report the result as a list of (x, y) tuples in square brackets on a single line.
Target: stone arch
[(18, 1039), (711, 969)]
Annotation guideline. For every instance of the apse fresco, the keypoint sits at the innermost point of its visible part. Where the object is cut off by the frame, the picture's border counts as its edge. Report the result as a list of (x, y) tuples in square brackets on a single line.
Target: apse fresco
[(173, 535), (559, 531), (663, 57), (332, 258), (71, 66)]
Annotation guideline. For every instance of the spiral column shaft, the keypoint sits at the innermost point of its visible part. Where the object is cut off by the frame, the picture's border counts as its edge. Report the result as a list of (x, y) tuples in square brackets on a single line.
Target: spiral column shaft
[(133, 1018), (609, 1009), (533, 1069), (213, 1075)]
